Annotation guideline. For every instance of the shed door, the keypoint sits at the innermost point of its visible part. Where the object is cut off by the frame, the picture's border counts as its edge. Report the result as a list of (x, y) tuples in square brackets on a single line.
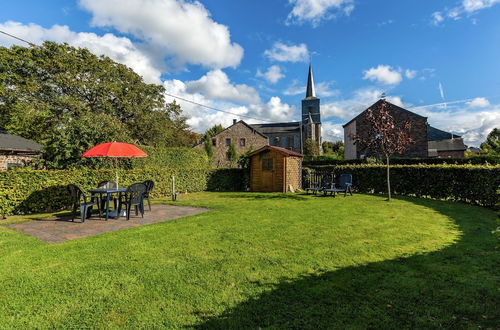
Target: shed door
[(267, 174)]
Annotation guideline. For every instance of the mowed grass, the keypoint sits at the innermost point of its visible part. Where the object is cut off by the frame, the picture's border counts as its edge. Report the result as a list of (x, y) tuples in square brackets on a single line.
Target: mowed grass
[(265, 260)]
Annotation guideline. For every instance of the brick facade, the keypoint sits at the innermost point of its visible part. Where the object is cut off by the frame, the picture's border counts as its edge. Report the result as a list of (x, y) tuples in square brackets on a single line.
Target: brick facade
[(10, 160), (241, 135)]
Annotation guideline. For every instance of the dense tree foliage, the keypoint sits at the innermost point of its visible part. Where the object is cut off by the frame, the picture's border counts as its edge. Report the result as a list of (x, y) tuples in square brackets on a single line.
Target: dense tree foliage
[(492, 143), (207, 138), (311, 148), (69, 100), (335, 149)]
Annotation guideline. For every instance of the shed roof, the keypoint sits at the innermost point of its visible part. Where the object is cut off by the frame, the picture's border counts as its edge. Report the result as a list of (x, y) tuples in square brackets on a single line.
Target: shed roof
[(278, 149), (291, 127), (11, 142)]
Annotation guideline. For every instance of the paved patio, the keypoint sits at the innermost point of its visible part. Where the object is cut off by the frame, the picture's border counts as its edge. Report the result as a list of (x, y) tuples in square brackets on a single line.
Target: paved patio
[(63, 229)]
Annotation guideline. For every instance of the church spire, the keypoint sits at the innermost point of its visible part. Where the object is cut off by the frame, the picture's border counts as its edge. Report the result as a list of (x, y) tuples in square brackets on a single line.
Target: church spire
[(310, 83)]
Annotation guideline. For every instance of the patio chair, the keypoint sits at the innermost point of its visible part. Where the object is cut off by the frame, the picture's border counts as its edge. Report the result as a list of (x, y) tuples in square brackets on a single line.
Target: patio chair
[(326, 182), (134, 196), (343, 185), (102, 201), (79, 200), (149, 186)]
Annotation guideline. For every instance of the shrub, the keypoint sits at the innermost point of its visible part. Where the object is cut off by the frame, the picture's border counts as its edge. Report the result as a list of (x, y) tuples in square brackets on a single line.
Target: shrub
[(466, 183), (27, 191), (160, 157)]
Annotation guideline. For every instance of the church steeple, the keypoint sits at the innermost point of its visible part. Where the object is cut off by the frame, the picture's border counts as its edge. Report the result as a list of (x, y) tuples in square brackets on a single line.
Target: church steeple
[(310, 84)]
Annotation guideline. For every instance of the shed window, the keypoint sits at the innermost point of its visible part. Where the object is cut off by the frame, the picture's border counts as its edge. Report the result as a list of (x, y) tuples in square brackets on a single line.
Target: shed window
[(242, 142), (267, 164), (228, 142)]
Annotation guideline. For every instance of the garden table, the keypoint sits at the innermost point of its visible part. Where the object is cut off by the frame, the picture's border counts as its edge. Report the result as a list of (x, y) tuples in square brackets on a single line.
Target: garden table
[(108, 192)]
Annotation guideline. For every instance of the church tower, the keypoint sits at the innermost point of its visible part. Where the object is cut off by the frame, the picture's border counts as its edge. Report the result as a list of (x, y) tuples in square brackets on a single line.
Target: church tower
[(311, 115)]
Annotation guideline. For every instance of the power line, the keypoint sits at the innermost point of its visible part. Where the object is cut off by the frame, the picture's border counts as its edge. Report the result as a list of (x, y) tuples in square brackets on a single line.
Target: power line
[(215, 109), (20, 39)]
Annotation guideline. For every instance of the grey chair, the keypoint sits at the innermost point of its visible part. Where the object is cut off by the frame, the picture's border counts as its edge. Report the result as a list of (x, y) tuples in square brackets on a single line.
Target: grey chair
[(79, 200), (134, 196), (344, 185), (326, 182)]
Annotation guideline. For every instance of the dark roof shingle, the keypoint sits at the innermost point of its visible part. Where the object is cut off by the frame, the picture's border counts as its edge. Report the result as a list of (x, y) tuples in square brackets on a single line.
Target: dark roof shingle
[(11, 142), (292, 127)]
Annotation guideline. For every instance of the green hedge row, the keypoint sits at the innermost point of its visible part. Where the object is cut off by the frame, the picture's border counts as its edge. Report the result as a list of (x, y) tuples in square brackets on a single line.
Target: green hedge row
[(27, 191), (472, 184), (477, 160), (160, 157)]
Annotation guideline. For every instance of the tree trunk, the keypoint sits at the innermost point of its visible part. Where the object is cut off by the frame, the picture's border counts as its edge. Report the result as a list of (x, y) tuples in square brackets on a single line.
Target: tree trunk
[(388, 179)]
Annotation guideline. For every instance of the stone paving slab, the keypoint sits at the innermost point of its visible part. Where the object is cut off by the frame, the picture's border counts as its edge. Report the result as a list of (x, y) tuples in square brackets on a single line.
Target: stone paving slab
[(61, 230)]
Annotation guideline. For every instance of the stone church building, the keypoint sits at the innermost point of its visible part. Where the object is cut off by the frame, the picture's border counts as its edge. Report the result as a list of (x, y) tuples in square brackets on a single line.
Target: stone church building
[(290, 135)]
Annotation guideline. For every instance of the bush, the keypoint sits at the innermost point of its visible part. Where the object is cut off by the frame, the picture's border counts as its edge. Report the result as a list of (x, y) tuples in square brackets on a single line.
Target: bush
[(27, 191), (466, 183), (160, 157)]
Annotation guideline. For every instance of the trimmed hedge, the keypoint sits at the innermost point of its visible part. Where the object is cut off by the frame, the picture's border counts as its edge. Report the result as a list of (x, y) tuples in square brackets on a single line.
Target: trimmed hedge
[(472, 184), (161, 157), (477, 160), (28, 191)]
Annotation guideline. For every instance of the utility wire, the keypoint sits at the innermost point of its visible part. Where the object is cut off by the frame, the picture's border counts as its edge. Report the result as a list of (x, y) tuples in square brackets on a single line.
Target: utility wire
[(20, 39), (215, 109)]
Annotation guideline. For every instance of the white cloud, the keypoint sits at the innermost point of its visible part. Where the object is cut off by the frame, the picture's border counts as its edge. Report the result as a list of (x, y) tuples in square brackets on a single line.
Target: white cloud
[(384, 74), (410, 74), (323, 89), (314, 11), (288, 53), (478, 102), (184, 32), (466, 7), (216, 85), (120, 49), (332, 132), (441, 90), (272, 75)]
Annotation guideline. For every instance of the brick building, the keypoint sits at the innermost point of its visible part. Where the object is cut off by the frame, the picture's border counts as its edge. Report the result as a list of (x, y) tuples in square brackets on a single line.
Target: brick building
[(429, 141), (16, 151), (243, 136)]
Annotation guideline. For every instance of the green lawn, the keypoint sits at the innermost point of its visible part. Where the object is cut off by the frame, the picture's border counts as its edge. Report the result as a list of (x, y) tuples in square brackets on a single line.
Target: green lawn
[(265, 260)]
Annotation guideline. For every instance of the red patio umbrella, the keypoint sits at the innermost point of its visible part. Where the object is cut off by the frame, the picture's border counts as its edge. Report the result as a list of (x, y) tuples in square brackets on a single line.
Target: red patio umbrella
[(115, 150)]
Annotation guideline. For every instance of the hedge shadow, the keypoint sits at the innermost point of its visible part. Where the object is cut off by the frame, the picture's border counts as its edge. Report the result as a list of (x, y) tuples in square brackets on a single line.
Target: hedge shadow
[(455, 287)]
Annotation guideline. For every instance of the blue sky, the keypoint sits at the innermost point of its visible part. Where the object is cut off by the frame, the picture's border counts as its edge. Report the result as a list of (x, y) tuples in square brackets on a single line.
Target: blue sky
[(437, 58)]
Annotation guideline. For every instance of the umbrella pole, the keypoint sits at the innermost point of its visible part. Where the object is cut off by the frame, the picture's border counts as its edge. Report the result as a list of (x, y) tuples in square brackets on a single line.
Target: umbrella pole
[(116, 172)]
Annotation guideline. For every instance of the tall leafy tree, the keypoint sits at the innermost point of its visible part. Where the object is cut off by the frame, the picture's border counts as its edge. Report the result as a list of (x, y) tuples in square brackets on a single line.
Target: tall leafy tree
[(385, 135), (492, 143), (69, 100)]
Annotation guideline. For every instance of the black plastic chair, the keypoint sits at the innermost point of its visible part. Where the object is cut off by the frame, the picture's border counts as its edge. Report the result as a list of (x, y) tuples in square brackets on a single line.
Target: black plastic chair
[(149, 186), (134, 196), (344, 185), (79, 200)]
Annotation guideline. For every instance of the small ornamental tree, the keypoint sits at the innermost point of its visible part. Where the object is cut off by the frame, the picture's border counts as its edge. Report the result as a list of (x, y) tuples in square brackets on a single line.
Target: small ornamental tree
[(232, 155), (385, 136)]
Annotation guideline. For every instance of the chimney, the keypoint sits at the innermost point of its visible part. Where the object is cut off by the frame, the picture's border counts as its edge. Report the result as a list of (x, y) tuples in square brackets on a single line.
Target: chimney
[(234, 121)]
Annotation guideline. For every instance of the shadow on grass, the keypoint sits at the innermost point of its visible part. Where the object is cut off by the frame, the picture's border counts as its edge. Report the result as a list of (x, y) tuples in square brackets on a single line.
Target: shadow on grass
[(266, 196), (452, 288)]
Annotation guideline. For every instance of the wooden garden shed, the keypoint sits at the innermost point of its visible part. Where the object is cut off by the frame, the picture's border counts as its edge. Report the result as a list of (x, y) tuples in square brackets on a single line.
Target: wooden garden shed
[(275, 169)]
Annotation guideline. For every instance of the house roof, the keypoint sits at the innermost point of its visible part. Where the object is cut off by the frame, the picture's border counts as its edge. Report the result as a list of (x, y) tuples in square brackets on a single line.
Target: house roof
[(448, 145), (11, 142), (278, 149), (391, 106), (434, 134), (291, 127)]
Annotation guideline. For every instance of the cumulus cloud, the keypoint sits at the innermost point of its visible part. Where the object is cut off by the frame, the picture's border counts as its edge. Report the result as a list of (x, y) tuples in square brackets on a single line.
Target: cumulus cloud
[(120, 49), (314, 11), (410, 74), (182, 31), (281, 52), (216, 85), (466, 7), (332, 132), (323, 89), (478, 102), (383, 74), (272, 75), (200, 118)]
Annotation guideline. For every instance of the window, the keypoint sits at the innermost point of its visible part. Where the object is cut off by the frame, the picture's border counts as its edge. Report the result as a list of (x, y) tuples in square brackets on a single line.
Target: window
[(228, 142), (214, 142), (276, 141), (267, 164), (242, 142)]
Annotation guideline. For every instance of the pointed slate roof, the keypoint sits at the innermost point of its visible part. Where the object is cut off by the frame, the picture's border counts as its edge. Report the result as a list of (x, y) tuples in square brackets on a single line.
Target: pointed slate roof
[(310, 92), (11, 142)]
